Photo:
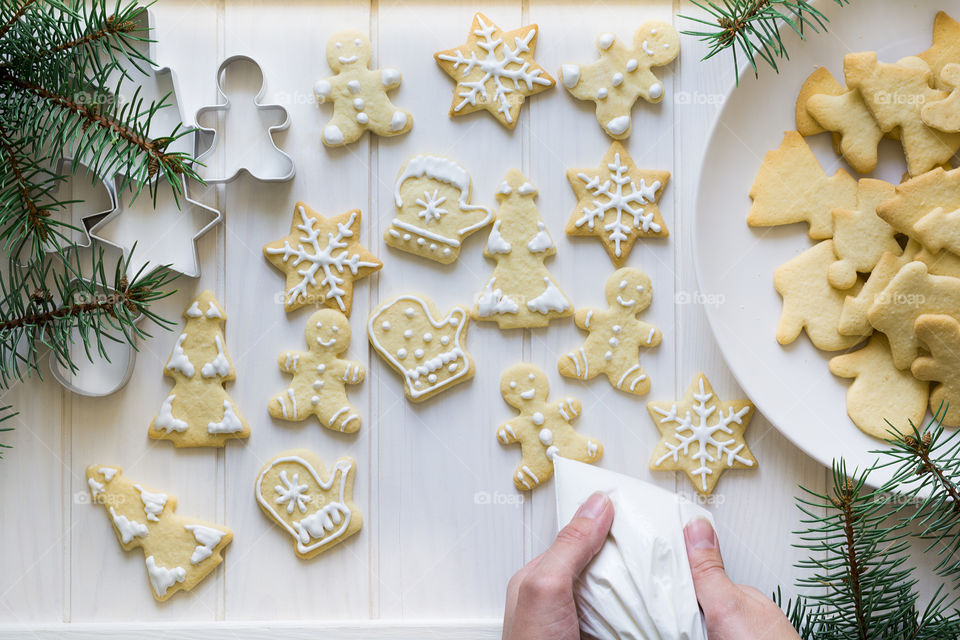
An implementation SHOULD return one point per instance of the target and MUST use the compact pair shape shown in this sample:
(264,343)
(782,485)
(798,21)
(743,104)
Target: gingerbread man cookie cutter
(283,169)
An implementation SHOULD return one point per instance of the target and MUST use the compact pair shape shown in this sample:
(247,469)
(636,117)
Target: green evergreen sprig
(6,413)
(752,28)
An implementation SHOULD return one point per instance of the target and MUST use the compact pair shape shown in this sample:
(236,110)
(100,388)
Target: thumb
(580,540)
(710,580)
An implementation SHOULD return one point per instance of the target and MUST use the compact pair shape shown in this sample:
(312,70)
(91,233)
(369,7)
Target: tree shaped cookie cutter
(284,171)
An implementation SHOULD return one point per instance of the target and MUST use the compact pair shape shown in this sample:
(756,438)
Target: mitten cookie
(810,302)
(427,349)
(792,187)
(623,74)
(322,257)
(320,377)
(617,203)
(358,94)
(701,436)
(198,412)
(543,430)
(941,335)
(882,398)
(616,335)
(315,507)
(179,551)
(860,237)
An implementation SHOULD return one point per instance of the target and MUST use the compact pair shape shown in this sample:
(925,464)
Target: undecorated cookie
(623,74)
(616,335)
(320,376)
(946,45)
(860,237)
(945,114)
(791,186)
(881,398)
(941,335)
(701,435)
(179,551)
(315,507)
(913,211)
(426,348)
(358,94)
(853,317)
(542,429)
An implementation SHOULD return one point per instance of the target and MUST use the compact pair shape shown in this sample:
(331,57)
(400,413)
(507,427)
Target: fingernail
(699,534)
(593,507)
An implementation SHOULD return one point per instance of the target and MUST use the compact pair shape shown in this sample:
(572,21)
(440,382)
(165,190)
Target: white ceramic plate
(790,385)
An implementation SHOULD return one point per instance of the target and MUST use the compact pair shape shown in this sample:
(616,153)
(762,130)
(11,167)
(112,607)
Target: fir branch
(753,28)
(6,413)
(8,24)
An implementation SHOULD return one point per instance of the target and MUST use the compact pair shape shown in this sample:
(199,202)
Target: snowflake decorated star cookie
(494,70)
(617,203)
(315,507)
(701,436)
(321,257)
(622,74)
(179,551)
(358,94)
(198,412)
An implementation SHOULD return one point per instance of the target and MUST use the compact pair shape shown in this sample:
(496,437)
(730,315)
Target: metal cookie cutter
(87,198)
(251,128)
(137,220)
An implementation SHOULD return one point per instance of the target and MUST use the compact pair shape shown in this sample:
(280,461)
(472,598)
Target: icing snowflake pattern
(430,203)
(292,493)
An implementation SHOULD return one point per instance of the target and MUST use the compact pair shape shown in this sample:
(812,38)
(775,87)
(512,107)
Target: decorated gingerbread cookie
(616,335)
(322,257)
(179,551)
(542,429)
(701,435)
(434,214)
(521,292)
(623,74)
(315,507)
(617,203)
(198,412)
(358,94)
(426,348)
(494,70)
(320,376)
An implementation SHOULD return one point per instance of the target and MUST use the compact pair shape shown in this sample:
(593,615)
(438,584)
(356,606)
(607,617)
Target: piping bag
(639,586)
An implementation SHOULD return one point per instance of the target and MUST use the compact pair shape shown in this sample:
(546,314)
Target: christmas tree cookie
(198,412)
(320,376)
(616,335)
(179,551)
(434,214)
(322,257)
(521,292)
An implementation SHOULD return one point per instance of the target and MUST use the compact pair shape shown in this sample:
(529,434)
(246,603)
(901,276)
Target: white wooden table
(444,528)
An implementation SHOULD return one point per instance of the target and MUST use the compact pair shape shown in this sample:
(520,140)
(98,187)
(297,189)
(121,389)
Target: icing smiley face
(524,385)
(629,289)
(348,50)
(327,329)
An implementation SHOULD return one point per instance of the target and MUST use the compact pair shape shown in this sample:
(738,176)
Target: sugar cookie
(860,237)
(853,316)
(941,335)
(946,45)
(945,114)
(913,210)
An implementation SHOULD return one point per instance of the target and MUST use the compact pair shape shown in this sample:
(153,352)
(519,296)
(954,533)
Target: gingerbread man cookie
(543,430)
(941,335)
(616,335)
(623,74)
(320,376)
(359,94)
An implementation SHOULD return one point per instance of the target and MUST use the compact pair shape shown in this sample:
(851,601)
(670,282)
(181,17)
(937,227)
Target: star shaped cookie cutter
(210,135)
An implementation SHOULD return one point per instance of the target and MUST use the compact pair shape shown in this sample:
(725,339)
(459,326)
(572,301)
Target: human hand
(540,596)
(731,611)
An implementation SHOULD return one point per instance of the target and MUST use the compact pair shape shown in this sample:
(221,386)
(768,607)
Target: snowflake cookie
(179,551)
(198,412)
(521,292)
(543,430)
(622,74)
(616,335)
(617,202)
(322,258)
(494,70)
(701,436)
(434,214)
(358,94)
(315,507)
(320,376)
(427,349)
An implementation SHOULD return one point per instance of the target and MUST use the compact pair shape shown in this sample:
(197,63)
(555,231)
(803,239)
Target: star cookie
(322,258)
(701,436)
(617,202)
(490,74)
